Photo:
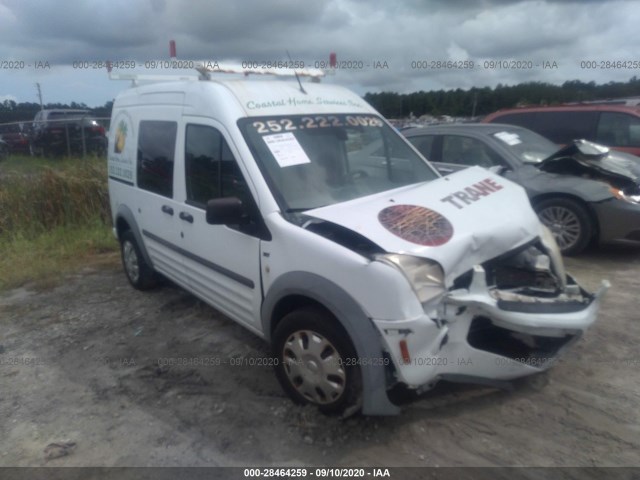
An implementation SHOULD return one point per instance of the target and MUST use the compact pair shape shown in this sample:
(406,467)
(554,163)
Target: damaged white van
(299,212)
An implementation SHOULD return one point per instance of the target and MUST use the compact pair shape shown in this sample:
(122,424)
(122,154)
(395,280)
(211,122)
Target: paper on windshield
(286,149)
(508,138)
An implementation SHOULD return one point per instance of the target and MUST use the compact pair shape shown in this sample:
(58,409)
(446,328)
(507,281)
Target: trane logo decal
(471,194)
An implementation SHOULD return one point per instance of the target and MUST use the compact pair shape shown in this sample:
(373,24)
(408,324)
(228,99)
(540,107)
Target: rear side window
(618,130)
(559,127)
(211,171)
(156,149)
(563,127)
(423,143)
(526,120)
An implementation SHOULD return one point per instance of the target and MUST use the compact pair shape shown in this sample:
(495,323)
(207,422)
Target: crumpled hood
(459,221)
(597,157)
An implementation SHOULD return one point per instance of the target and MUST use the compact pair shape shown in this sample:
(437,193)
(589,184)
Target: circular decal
(416,224)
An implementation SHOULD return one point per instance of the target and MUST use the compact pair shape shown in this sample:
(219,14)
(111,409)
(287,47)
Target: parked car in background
(616,126)
(582,192)
(62,132)
(16,140)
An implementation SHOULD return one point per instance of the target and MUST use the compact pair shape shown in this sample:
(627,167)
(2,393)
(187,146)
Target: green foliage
(54,217)
(44,259)
(73,194)
(487,100)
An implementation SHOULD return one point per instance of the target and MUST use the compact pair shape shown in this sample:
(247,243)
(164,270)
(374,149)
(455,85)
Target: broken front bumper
(484,334)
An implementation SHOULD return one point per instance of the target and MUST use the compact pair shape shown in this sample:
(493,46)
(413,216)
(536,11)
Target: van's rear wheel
(138,271)
(316,362)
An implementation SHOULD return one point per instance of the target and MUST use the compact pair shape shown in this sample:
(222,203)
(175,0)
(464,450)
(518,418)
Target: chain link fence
(56,133)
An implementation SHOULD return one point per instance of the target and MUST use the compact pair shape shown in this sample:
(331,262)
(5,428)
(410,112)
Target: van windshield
(312,161)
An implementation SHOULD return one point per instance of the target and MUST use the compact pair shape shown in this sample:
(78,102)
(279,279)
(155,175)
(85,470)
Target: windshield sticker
(416,224)
(472,193)
(286,149)
(508,138)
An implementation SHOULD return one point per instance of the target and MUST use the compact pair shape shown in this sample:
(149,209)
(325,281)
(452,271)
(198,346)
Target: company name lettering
(294,102)
(471,194)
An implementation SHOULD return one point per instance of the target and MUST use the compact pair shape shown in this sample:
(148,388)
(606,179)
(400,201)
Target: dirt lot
(86,363)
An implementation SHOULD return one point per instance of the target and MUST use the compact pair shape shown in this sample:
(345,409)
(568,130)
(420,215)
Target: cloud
(367,31)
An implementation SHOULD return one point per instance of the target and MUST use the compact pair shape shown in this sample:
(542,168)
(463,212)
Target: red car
(17,142)
(616,126)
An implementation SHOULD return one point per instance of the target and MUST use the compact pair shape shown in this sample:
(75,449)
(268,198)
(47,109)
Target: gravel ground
(83,367)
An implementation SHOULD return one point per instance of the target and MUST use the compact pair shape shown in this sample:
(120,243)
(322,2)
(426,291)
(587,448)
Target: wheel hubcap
(564,225)
(131,261)
(314,367)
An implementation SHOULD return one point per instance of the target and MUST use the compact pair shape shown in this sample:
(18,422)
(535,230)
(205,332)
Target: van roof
(252,97)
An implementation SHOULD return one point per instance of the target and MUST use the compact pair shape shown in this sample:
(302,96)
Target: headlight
(620,195)
(425,276)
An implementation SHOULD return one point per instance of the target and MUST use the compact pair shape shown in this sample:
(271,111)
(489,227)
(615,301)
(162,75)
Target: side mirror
(226,211)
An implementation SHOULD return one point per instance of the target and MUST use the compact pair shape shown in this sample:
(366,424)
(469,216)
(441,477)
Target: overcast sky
(560,34)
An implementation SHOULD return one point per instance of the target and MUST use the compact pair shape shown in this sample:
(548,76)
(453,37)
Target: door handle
(167,209)
(186,217)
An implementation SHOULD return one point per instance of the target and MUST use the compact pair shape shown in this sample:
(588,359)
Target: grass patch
(54,218)
(44,259)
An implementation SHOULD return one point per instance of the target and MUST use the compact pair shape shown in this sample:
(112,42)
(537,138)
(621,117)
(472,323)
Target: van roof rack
(206,68)
(214,67)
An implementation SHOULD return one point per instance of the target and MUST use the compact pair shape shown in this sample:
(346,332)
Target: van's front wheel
(316,362)
(138,271)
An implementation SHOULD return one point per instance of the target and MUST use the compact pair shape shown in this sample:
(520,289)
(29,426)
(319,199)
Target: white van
(300,213)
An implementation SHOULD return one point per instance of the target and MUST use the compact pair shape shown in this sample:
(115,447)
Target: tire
(326,375)
(569,222)
(138,271)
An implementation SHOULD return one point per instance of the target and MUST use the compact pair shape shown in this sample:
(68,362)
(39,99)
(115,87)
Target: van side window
(211,171)
(202,163)
(156,149)
(618,130)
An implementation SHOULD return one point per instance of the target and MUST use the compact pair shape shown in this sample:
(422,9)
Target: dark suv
(62,132)
(616,126)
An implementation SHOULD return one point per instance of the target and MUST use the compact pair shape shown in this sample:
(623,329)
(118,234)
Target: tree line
(482,101)
(459,103)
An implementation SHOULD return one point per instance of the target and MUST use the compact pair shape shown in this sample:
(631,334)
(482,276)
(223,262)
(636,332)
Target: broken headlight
(425,276)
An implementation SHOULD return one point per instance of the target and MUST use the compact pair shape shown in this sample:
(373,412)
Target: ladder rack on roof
(207,68)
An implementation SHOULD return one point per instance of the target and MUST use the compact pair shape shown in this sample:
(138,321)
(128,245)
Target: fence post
(84,143)
(66,131)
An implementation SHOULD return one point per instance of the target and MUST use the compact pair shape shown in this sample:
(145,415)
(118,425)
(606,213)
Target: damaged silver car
(583,192)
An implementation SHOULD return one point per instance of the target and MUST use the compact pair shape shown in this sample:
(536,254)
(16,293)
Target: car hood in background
(582,155)
(459,221)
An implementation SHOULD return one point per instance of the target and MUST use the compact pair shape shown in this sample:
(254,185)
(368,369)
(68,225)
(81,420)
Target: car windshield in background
(526,145)
(312,161)
(11,128)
